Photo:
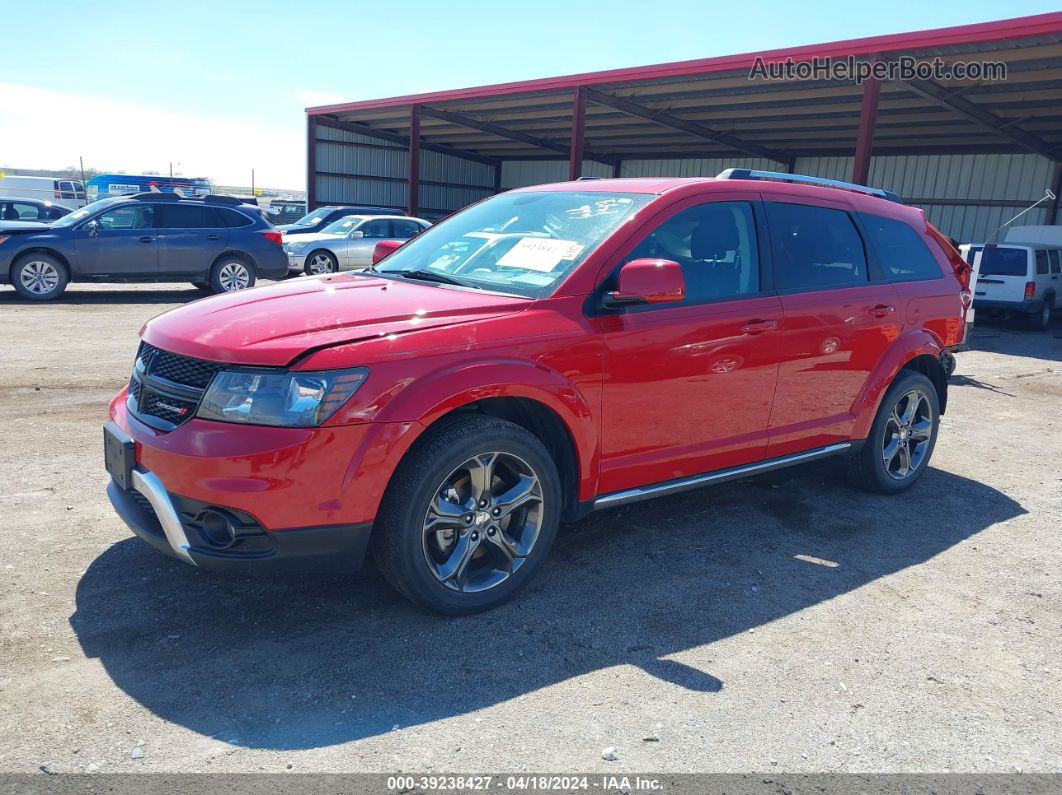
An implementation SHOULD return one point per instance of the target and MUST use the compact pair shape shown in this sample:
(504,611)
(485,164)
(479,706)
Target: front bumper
(1018,307)
(296,262)
(176,526)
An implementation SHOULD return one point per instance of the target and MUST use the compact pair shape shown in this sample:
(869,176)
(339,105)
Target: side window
(28,212)
(815,248)
(403,230)
(131,216)
(1041,262)
(715,243)
(188,216)
(232,219)
(1056,260)
(904,255)
(379,228)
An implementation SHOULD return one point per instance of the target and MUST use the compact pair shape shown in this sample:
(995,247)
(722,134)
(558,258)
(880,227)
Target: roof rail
(154,196)
(779,176)
(222,198)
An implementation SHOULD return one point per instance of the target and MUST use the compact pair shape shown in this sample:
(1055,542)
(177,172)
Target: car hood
(295,229)
(313,237)
(274,325)
(25,227)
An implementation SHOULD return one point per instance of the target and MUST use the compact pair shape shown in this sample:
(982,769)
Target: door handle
(213,237)
(882,310)
(759,326)
(145,238)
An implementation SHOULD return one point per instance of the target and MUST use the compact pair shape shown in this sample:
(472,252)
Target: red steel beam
(868,118)
(413,202)
(575,157)
(311,163)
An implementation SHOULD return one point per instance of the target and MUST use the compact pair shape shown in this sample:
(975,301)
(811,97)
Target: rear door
(191,236)
(120,242)
(839,318)
(1004,272)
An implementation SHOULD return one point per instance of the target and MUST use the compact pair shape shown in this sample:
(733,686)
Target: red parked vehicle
(544,353)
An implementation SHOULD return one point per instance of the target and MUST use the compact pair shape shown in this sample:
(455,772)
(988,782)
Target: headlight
(294,400)
(295,248)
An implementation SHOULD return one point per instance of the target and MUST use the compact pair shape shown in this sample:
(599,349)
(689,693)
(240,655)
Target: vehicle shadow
(1010,337)
(311,661)
(119,296)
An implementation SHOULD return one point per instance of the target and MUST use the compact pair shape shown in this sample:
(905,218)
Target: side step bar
(721,476)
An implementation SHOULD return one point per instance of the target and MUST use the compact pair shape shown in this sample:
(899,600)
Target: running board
(696,481)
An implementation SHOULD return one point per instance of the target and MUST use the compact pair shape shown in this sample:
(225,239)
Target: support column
(575,157)
(311,163)
(413,176)
(868,117)
(1051,216)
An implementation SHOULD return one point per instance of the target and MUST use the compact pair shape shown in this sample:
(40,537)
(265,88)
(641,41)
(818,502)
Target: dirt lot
(686,633)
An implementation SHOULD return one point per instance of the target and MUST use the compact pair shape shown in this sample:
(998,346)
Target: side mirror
(357,233)
(648,281)
(383,248)
(93,228)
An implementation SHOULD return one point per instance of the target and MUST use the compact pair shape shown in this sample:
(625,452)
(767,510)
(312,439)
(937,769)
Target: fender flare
(917,342)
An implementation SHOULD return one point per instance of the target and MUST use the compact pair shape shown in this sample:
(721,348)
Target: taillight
(273,236)
(1030,290)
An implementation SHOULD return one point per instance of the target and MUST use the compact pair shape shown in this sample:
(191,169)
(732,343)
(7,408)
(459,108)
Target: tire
(872,466)
(1042,318)
(231,273)
(440,558)
(948,362)
(319,262)
(39,277)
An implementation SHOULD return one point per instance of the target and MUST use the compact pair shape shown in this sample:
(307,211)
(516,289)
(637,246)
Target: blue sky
(219,87)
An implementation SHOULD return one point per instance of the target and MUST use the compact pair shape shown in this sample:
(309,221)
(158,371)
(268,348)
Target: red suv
(544,353)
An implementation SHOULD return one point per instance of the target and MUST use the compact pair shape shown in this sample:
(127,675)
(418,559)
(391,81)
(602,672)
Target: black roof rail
(154,196)
(221,198)
(803,179)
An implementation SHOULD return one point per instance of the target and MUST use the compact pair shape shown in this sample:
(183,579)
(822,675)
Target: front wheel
(469,516)
(901,441)
(230,274)
(1042,319)
(39,277)
(320,262)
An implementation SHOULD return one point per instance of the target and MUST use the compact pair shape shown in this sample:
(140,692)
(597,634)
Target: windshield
(314,218)
(521,243)
(342,226)
(1004,261)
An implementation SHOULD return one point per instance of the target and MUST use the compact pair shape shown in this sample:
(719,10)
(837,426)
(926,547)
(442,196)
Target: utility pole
(171,169)
(252,182)
(81,161)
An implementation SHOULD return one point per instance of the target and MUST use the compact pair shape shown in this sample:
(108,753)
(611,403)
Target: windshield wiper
(433,276)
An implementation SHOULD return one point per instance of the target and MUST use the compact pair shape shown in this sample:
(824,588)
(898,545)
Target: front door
(688,387)
(358,251)
(120,242)
(191,237)
(839,321)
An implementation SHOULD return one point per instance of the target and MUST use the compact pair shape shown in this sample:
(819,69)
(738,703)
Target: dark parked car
(215,242)
(318,219)
(286,211)
(31,210)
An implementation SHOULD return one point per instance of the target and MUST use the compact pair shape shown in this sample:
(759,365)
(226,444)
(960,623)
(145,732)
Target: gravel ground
(785,623)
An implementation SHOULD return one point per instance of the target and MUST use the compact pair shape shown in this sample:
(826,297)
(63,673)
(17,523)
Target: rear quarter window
(233,219)
(1041,263)
(903,253)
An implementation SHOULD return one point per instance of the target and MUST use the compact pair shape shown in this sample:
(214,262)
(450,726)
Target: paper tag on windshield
(540,253)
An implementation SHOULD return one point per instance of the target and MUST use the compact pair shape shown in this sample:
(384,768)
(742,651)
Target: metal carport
(970,151)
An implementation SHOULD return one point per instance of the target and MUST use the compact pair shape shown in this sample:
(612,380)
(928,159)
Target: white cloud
(40,128)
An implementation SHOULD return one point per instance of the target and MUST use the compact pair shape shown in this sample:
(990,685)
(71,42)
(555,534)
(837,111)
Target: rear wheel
(470,515)
(230,274)
(39,277)
(902,438)
(321,262)
(1042,319)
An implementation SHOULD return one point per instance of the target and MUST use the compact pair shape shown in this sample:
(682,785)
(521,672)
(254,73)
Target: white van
(1017,278)
(67,192)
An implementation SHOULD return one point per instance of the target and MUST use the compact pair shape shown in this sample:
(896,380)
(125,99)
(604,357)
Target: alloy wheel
(233,276)
(908,431)
(39,277)
(483,522)
(320,263)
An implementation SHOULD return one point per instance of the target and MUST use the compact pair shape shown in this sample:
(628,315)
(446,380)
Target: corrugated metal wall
(357,169)
(965,195)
